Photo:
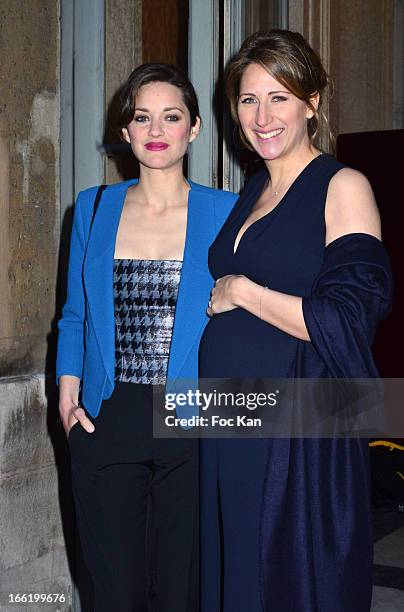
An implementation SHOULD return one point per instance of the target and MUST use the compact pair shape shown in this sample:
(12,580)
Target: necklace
(285,188)
(279,190)
(276,193)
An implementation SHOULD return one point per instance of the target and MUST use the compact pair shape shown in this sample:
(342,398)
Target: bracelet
(260,302)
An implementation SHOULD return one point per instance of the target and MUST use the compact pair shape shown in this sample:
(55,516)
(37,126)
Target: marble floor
(388,590)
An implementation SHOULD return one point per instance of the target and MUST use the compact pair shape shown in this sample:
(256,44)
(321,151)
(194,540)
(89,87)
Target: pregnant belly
(238,344)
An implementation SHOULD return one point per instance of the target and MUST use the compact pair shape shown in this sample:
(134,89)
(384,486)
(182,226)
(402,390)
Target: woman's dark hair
(152,73)
(289,59)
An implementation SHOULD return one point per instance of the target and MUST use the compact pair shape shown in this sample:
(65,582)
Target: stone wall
(32,540)
(355,42)
(33,555)
(361,64)
(29,147)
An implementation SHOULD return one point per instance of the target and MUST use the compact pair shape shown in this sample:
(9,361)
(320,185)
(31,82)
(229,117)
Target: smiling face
(273,120)
(160,130)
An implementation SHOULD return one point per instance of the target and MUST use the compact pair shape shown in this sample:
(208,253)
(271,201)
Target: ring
(210,304)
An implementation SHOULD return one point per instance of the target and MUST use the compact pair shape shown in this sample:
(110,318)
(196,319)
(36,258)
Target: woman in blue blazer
(138,287)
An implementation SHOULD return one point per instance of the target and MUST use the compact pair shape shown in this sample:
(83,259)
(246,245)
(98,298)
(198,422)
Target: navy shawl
(316,544)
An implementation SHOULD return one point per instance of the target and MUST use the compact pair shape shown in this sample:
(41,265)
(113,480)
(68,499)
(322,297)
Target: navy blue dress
(283,250)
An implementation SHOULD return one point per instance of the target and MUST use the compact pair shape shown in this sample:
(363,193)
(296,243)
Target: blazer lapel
(98,271)
(195,284)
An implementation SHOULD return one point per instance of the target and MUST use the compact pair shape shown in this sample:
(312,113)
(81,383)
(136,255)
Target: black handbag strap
(96,205)
(95,208)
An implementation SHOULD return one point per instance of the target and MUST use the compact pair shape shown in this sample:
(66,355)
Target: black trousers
(136,507)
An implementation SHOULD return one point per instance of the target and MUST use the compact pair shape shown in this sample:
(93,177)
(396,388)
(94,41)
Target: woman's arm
(280,309)
(70,350)
(350,208)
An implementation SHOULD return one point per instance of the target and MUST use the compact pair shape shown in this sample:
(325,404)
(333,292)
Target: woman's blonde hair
(289,59)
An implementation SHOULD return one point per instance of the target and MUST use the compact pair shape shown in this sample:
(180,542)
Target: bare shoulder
(349,182)
(351,206)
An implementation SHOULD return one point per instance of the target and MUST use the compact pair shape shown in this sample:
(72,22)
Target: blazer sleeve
(70,348)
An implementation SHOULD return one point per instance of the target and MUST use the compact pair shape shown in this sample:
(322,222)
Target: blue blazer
(86,344)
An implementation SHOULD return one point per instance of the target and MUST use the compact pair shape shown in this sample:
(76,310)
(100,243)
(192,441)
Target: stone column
(32,547)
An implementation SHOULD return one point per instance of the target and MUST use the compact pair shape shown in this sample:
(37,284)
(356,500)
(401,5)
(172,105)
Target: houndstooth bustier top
(145,297)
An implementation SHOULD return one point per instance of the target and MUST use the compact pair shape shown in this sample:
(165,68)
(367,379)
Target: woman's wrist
(240,288)
(69,387)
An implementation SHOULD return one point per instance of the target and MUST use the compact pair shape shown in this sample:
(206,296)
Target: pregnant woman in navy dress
(285,523)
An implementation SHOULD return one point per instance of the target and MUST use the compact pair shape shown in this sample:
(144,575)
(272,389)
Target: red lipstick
(156,146)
